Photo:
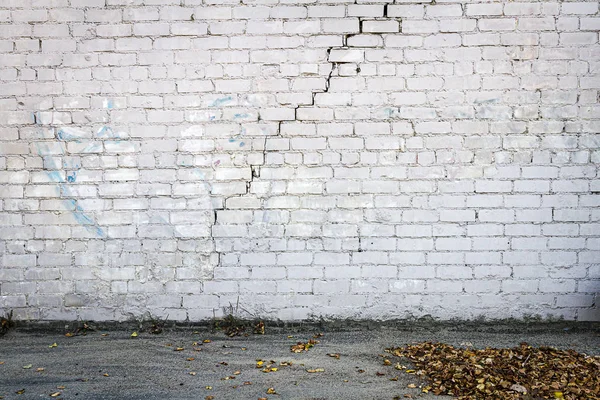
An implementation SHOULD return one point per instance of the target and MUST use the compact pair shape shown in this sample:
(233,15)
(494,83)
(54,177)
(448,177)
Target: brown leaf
(334,355)
(312,371)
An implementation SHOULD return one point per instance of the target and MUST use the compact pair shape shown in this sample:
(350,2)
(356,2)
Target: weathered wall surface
(299,158)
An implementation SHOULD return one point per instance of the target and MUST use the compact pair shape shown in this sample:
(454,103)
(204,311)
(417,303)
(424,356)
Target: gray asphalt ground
(117,366)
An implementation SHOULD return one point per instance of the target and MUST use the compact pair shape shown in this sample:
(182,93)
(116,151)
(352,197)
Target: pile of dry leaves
(520,373)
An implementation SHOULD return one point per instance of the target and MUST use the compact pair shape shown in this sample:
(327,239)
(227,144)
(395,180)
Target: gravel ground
(110,364)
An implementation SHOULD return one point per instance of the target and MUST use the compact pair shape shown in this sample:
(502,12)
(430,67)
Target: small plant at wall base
(232,325)
(6,323)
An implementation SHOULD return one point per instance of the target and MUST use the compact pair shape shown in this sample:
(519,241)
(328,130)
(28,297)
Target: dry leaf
(39,369)
(105,374)
(20,391)
(208,388)
(190,359)
(179,349)
(134,334)
(411,385)
(522,372)
(28,366)
(271,391)
(69,334)
(206,341)
(192,373)
(312,371)
(56,394)
(334,355)
(61,387)
(53,345)
(209,397)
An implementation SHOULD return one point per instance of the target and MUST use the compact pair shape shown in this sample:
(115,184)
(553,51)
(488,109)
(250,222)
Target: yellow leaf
(179,349)
(312,371)
(55,394)
(208,388)
(410,371)
(28,366)
(411,385)
(69,334)
(134,334)
(271,391)
(206,341)
(61,387)
(53,345)
(20,391)
(558,395)
(105,374)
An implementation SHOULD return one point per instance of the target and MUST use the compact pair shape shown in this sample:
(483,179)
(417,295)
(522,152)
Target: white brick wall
(323,158)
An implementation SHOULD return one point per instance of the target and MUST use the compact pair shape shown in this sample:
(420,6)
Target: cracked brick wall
(302,159)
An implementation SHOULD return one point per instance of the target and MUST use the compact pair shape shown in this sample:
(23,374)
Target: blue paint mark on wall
(63,134)
(71,176)
(63,188)
(221,102)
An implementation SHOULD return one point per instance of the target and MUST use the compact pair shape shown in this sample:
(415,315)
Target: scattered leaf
(206,341)
(134,334)
(61,387)
(20,391)
(334,355)
(380,373)
(312,371)
(2,362)
(411,385)
(303,346)
(190,359)
(56,394)
(192,373)
(259,328)
(104,334)
(105,374)
(237,372)
(69,334)
(247,383)
(209,397)
(179,349)
(39,369)
(28,366)
(208,388)
(271,391)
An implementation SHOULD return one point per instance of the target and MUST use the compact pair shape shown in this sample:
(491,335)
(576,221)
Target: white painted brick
(433,161)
